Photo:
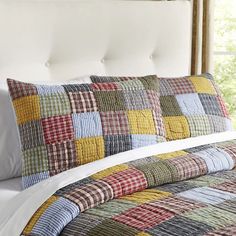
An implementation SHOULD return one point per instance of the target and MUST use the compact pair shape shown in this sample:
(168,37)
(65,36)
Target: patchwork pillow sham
(64,126)
(191,106)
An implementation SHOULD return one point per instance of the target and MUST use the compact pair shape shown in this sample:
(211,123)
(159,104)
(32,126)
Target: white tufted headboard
(63,39)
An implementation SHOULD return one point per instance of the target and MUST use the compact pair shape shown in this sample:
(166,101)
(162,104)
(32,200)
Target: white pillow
(10,159)
(10,153)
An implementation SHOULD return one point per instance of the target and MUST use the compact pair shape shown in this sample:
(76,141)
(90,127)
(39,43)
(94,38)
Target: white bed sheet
(9,189)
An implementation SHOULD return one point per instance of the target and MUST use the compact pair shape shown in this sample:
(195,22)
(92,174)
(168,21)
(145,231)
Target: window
(225,52)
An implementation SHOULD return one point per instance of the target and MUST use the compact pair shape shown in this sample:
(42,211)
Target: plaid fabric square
(82,225)
(216,160)
(222,106)
(176,127)
(165,88)
(159,124)
(176,204)
(110,227)
(202,195)
(91,195)
(136,100)
(18,89)
(49,89)
(150,82)
(141,122)
(181,85)
(35,160)
(54,104)
(74,88)
(27,109)
(105,86)
(31,134)
(139,140)
(89,149)
(210,104)
(154,101)
(189,166)
(57,129)
(61,157)
(82,102)
(231,150)
(224,231)
(33,179)
(117,143)
(229,187)
(158,172)
(110,100)
(180,225)
(199,125)
(170,106)
(217,123)
(144,217)
(202,85)
(126,182)
(131,84)
(114,122)
(87,124)
(190,104)
(105,79)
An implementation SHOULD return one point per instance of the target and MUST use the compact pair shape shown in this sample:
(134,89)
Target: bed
(60,41)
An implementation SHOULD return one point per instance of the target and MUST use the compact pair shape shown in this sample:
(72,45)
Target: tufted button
(47,64)
(151,57)
(102,60)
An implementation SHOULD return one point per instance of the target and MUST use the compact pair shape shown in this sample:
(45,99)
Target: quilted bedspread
(188,192)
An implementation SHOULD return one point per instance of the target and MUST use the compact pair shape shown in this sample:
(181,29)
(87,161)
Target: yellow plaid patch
(89,149)
(202,85)
(27,109)
(146,196)
(143,234)
(141,122)
(172,155)
(177,127)
(38,214)
(109,171)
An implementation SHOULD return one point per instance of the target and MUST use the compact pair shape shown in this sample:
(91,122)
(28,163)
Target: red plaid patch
(231,150)
(189,166)
(114,122)
(82,102)
(225,231)
(181,85)
(158,121)
(126,182)
(144,216)
(90,195)
(223,106)
(104,86)
(57,129)
(61,157)
(154,100)
(176,205)
(227,187)
(19,89)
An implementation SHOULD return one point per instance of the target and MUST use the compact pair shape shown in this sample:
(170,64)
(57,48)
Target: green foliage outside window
(225,52)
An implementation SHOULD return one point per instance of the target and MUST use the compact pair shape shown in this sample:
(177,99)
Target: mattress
(9,189)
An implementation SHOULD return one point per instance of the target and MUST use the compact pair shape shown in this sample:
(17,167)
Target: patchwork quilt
(187,192)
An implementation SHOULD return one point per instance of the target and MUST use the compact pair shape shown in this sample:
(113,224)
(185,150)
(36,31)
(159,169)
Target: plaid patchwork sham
(64,126)
(130,199)
(191,105)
